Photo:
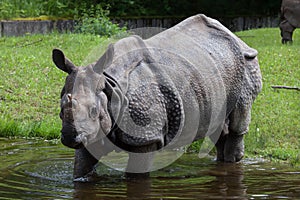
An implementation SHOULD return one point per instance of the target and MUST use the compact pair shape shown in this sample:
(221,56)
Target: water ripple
(43,170)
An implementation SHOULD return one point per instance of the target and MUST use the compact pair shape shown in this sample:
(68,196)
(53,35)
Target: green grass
(30,89)
(275,128)
(30,83)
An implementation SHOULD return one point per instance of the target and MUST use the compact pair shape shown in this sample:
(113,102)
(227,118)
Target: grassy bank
(275,127)
(30,83)
(30,89)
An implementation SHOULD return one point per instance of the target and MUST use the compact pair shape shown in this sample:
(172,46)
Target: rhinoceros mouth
(81,138)
(85,139)
(71,142)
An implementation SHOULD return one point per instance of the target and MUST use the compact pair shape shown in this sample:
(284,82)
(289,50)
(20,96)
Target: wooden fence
(19,28)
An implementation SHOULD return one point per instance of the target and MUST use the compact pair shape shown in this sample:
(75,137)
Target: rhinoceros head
(84,112)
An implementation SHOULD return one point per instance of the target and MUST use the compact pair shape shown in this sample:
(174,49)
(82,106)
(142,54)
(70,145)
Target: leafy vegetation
(217,8)
(35,8)
(129,8)
(96,21)
(30,88)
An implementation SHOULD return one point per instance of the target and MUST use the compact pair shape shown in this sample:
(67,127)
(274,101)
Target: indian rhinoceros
(193,80)
(290,19)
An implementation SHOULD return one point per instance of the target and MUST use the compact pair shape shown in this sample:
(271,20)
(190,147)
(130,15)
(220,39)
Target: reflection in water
(229,180)
(32,169)
(138,189)
(133,189)
(191,178)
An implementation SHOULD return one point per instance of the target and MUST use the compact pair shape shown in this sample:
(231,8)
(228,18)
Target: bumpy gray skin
(171,85)
(289,19)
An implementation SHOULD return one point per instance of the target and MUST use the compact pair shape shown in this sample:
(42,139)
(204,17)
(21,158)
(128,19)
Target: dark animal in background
(175,87)
(289,19)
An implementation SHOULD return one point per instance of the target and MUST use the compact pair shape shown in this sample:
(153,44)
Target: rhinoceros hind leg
(230,145)
(230,148)
(239,121)
(220,148)
(234,148)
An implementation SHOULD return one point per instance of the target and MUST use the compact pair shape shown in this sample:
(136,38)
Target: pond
(35,169)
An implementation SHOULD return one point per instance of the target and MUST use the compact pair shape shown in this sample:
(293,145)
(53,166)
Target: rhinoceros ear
(62,62)
(105,60)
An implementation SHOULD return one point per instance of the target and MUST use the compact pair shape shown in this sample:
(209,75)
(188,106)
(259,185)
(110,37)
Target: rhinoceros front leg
(286,32)
(140,161)
(85,161)
(139,165)
(84,166)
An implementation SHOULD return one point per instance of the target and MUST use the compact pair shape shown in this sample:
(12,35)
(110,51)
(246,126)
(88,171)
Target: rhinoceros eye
(93,112)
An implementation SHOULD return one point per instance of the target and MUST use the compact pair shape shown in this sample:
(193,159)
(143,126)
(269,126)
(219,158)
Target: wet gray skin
(191,81)
(289,19)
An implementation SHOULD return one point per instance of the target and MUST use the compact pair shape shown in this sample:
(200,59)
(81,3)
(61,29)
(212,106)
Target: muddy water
(34,169)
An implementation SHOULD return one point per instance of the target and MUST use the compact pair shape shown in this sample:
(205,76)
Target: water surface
(35,169)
